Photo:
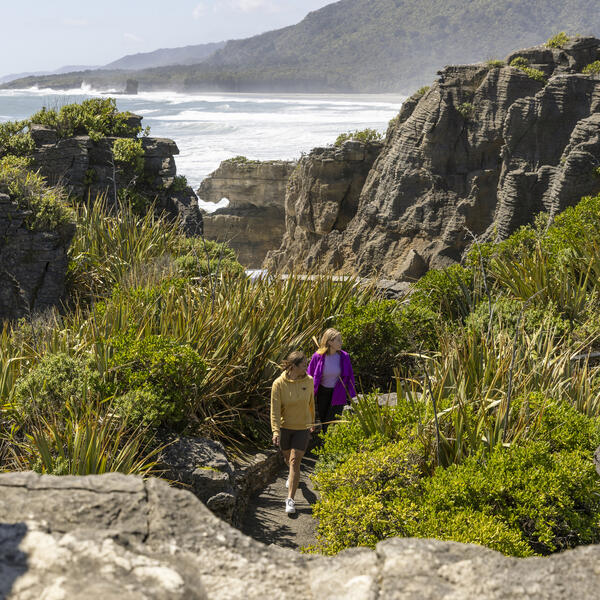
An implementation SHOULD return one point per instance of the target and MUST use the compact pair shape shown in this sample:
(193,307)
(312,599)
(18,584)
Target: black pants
(326,411)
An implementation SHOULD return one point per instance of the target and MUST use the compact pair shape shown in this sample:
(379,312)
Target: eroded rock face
(254,221)
(85,166)
(33,264)
(481,152)
(322,198)
(116,537)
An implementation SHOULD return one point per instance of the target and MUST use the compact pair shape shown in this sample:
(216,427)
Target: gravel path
(266,519)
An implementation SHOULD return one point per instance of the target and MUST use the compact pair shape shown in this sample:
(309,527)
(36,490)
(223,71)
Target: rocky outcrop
(321,200)
(116,537)
(202,466)
(254,221)
(481,152)
(86,167)
(33,264)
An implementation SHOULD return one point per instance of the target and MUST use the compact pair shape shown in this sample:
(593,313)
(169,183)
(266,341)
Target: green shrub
(96,117)
(466,109)
(495,64)
(519,500)
(15,139)
(506,312)
(155,377)
(448,292)
(592,69)
(377,333)
(47,206)
(422,90)
(196,257)
(50,385)
(129,154)
(241,161)
(523,65)
(366,136)
(180,184)
(558,41)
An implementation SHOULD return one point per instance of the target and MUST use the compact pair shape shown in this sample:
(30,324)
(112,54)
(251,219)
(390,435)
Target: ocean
(210,128)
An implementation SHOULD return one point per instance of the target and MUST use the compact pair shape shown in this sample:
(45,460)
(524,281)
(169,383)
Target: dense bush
(155,379)
(448,292)
(558,41)
(129,154)
(531,499)
(592,69)
(96,117)
(15,139)
(365,136)
(58,379)
(46,206)
(379,334)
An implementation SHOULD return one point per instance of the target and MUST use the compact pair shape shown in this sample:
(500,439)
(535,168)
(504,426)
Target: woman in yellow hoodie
(293,417)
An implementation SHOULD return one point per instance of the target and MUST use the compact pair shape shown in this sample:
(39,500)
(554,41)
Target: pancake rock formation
(482,151)
(254,221)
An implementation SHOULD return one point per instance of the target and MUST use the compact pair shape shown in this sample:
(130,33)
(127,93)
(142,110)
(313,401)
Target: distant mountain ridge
(187,55)
(362,46)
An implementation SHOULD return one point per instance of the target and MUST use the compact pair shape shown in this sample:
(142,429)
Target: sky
(47,35)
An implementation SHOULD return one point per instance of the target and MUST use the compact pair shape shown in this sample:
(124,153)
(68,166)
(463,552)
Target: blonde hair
(329,335)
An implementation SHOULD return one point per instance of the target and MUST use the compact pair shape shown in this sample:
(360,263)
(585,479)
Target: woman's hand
(275,439)
(311,429)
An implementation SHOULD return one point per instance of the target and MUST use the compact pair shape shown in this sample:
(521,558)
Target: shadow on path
(266,519)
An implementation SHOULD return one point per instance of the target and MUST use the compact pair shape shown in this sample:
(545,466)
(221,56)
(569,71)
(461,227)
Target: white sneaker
(290,506)
(287,483)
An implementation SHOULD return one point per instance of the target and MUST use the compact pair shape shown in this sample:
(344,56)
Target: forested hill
(365,46)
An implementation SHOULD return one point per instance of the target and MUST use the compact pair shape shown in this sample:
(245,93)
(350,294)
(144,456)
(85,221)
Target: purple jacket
(344,383)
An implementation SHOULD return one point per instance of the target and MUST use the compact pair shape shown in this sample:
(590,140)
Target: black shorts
(294,438)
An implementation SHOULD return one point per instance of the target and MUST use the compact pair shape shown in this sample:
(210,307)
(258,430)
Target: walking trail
(266,519)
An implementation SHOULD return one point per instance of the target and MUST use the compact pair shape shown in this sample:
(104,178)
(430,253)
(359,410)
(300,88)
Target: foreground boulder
(113,536)
(254,221)
(484,150)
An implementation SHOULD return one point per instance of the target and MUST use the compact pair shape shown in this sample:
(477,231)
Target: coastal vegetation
(496,420)
(365,136)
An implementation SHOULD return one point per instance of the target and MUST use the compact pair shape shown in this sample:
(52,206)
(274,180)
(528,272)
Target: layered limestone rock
(33,264)
(480,153)
(322,198)
(86,167)
(115,537)
(254,221)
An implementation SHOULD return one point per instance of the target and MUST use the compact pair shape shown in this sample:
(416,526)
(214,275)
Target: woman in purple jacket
(331,369)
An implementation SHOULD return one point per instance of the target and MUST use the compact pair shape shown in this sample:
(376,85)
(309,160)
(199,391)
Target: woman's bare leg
(286,456)
(294,462)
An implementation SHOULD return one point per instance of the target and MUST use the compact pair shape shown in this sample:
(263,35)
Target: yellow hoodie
(292,403)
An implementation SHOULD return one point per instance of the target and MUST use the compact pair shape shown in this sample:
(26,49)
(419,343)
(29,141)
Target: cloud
(199,11)
(132,37)
(75,22)
(252,5)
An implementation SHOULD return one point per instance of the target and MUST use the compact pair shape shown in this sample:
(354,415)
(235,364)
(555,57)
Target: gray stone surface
(321,200)
(113,536)
(482,151)
(86,167)
(33,264)
(202,466)
(254,221)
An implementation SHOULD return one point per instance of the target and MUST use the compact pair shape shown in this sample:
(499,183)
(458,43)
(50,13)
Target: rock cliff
(85,166)
(254,221)
(33,264)
(321,200)
(483,150)
(115,537)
